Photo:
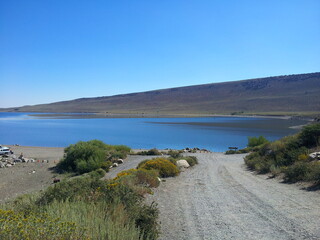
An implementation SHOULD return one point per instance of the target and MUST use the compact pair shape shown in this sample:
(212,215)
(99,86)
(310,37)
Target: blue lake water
(213,133)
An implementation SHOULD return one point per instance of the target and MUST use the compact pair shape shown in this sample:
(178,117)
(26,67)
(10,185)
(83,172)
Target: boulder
(182,164)
(314,155)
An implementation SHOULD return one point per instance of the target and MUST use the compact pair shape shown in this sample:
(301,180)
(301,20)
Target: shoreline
(164,115)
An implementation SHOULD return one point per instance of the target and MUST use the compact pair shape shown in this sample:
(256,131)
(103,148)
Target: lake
(212,133)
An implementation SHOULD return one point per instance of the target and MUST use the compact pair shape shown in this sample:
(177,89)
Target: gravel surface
(220,199)
(29,177)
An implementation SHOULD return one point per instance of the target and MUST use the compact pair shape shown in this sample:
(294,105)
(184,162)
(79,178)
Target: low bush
(310,135)
(103,209)
(151,152)
(17,225)
(84,157)
(256,141)
(229,152)
(133,177)
(99,173)
(174,153)
(289,156)
(240,151)
(162,165)
(296,172)
(192,160)
(314,174)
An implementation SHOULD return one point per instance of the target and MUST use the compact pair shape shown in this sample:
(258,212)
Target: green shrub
(151,152)
(142,163)
(148,178)
(84,157)
(310,135)
(192,160)
(15,225)
(297,172)
(99,173)
(289,156)
(229,152)
(173,160)
(106,165)
(174,153)
(72,189)
(275,171)
(240,151)
(164,166)
(314,173)
(256,141)
(146,220)
(244,150)
(252,159)
(114,152)
(86,188)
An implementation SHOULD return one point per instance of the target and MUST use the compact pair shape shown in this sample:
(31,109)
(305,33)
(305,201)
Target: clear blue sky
(53,50)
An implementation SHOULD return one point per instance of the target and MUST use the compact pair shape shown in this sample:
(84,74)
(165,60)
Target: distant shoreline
(128,115)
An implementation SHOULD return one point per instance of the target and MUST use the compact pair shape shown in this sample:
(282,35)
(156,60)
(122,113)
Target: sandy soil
(220,199)
(33,177)
(29,177)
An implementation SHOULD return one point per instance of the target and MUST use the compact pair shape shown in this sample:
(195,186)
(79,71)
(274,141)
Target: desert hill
(289,93)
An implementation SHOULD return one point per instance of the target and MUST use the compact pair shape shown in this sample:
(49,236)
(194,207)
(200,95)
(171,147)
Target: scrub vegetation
(84,206)
(84,157)
(253,145)
(290,156)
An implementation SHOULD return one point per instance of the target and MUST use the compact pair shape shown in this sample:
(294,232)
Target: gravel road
(220,199)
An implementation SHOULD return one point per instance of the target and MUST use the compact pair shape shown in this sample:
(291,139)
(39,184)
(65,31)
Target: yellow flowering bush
(15,225)
(162,165)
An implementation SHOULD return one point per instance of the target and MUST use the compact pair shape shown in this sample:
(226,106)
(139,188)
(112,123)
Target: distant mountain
(290,93)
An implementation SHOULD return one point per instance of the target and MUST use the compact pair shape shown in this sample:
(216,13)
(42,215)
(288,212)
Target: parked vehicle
(4,150)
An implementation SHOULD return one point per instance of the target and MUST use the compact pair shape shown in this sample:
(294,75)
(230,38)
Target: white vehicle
(4,150)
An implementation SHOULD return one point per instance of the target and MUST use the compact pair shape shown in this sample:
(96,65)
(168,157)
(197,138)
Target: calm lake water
(213,133)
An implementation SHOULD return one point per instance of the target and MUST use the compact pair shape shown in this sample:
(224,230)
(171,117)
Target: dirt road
(220,199)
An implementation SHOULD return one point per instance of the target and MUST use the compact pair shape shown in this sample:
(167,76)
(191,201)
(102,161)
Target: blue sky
(53,50)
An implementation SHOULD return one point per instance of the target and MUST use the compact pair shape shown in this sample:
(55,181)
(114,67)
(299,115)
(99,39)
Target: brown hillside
(291,93)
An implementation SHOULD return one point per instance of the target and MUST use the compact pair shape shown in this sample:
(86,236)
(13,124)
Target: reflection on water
(213,133)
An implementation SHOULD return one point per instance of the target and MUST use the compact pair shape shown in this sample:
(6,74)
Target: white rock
(314,155)
(182,164)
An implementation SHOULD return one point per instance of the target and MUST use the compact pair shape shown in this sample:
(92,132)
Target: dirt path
(219,199)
